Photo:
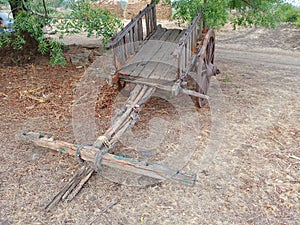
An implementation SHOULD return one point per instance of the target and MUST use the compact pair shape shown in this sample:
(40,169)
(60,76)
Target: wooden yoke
(89,153)
(128,41)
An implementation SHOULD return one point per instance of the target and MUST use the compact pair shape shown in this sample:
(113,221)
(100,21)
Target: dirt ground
(247,158)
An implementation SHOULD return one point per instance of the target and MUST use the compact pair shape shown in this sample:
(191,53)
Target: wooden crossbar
(89,153)
(169,86)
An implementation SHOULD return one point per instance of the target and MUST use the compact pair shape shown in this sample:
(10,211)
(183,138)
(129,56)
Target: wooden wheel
(205,67)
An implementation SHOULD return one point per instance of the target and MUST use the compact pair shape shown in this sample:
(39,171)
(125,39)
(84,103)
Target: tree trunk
(16,6)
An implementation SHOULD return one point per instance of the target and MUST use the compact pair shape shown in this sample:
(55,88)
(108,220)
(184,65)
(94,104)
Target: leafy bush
(94,21)
(185,10)
(290,13)
(31,20)
(238,12)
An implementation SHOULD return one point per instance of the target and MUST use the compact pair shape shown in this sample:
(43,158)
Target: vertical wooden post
(131,42)
(183,59)
(121,52)
(188,49)
(179,65)
(124,46)
(147,24)
(154,17)
(140,29)
(129,38)
(115,58)
(135,37)
(150,21)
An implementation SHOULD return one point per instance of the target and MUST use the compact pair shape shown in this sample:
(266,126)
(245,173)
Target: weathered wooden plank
(136,41)
(151,24)
(157,83)
(126,35)
(119,55)
(140,29)
(166,63)
(130,25)
(143,56)
(190,28)
(154,47)
(129,44)
(125,115)
(125,46)
(172,72)
(163,61)
(115,60)
(154,17)
(122,51)
(155,58)
(148,31)
(185,42)
(146,67)
(89,153)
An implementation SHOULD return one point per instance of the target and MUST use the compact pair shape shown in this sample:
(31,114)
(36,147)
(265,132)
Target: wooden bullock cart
(144,55)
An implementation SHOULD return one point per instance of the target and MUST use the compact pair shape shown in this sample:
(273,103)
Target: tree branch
(34,12)
(250,4)
(45,8)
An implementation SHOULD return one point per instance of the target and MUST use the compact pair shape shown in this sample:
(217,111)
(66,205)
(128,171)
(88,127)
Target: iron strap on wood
(89,153)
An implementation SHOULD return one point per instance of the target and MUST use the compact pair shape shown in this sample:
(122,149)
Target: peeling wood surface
(155,58)
(89,153)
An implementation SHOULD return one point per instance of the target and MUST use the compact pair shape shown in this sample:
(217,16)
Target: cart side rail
(127,42)
(187,46)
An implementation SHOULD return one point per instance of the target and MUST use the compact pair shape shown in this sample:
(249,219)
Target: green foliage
(56,55)
(27,23)
(94,21)
(255,12)
(185,10)
(238,12)
(216,13)
(226,79)
(290,13)
(81,18)
(5,40)
(3,3)
(31,23)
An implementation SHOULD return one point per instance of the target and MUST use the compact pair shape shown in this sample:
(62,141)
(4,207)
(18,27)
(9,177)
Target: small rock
(103,106)
(35,156)
(5,222)
(30,107)
(146,153)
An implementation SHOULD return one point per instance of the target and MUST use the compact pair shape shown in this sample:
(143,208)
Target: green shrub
(240,13)
(30,22)
(289,13)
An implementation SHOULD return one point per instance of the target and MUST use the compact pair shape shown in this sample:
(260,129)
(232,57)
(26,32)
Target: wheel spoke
(203,76)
